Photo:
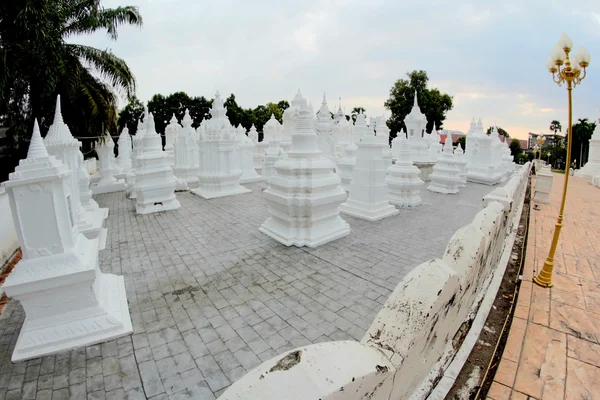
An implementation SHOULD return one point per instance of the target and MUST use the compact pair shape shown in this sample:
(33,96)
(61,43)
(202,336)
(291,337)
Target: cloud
(489,55)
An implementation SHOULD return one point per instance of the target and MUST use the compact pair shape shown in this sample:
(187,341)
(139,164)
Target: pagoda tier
(304,195)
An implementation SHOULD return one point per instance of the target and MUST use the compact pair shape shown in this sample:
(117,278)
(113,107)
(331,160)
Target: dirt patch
(485,353)
(287,362)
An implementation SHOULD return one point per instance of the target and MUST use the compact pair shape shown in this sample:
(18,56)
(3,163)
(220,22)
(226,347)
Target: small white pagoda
(61,144)
(324,128)
(342,134)
(68,302)
(435,147)
(246,149)
(155,184)
(445,176)
(461,160)
(124,163)
(259,146)
(304,195)
(289,121)
(220,171)
(346,164)
(368,194)
(89,205)
(484,164)
(383,136)
(105,148)
(187,157)
(171,132)
(137,141)
(403,179)
(415,123)
(507,158)
(361,129)
(272,136)
(592,168)
(339,114)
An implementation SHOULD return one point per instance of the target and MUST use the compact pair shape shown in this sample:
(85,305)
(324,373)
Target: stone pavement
(211,297)
(552,350)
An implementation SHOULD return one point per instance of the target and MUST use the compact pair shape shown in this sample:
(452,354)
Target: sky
(489,55)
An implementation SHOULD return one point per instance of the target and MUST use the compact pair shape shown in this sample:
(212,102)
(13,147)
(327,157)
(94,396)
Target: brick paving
(553,349)
(211,297)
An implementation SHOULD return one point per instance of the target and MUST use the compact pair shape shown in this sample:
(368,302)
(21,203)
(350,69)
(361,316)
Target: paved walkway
(211,297)
(552,350)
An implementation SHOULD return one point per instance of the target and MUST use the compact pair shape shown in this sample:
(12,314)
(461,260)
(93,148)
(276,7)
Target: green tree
(555,126)
(501,131)
(356,111)
(582,132)
(432,102)
(462,141)
(129,116)
(37,63)
(176,103)
(515,147)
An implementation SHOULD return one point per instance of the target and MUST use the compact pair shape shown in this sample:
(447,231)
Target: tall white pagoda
(445,176)
(346,164)
(383,136)
(304,195)
(220,171)
(68,302)
(105,148)
(246,156)
(155,184)
(484,164)
(137,141)
(415,123)
(289,121)
(403,179)
(124,163)
(461,162)
(324,128)
(368,194)
(186,153)
(272,136)
(171,132)
(259,146)
(342,134)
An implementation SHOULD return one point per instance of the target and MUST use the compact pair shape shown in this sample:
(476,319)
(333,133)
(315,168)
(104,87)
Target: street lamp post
(573,71)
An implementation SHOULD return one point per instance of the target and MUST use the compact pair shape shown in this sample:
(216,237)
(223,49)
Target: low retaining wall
(420,329)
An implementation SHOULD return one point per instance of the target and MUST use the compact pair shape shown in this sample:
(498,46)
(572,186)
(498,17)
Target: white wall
(8,236)
(418,331)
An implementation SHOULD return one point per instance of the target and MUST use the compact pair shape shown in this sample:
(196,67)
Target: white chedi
(172,130)
(592,168)
(259,146)
(485,166)
(507,159)
(105,148)
(415,123)
(342,136)
(246,156)
(155,184)
(220,171)
(361,129)
(461,163)
(289,121)
(68,301)
(435,147)
(444,178)
(273,132)
(403,179)
(304,195)
(324,128)
(383,136)
(368,192)
(137,142)
(186,153)
(346,164)
(124,163)
(88,204)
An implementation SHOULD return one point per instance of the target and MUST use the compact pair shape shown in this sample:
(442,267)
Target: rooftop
(211,297)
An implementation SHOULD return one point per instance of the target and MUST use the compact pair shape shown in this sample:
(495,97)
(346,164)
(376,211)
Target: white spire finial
(36,147)
(415,103)
(57,112)
(324,99)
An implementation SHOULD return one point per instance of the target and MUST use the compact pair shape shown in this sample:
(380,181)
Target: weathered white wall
(8,235)
(418,331)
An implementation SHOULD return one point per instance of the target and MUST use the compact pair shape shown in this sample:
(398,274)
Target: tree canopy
(555,126)
(582,133)
(501,131)
(37,63)
(432,102)
(515,147)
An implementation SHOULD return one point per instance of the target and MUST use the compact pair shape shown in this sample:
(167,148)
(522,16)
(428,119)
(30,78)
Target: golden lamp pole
(573,72)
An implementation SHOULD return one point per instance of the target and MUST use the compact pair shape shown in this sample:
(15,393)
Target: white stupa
(342,133)
(339,114)
(415,123)
(289,121)
(368,194)
(435,147)
(484,164)
(61,144)
(461,161)
(346,164)
(324,129)
(187,157)
(246,156)
(105,148)
(445,176)
(68,302)
(383,136)
(592,168)
(220,171)
(403,179)
(304,195)
(272,136)
(155,184)
(124,163)
(88,204)
(171,132)
(507,158)
(259,146)
(361,129)
(137,142)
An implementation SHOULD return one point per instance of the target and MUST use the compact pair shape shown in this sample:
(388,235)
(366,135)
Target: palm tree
(555,126)
(37,63)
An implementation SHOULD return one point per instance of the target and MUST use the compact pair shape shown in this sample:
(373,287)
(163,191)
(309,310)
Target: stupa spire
(57,111)
(36,147)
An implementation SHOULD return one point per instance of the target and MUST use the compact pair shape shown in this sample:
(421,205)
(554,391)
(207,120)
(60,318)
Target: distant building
(551,139)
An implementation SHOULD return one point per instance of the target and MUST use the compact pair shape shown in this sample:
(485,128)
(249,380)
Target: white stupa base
(305,237)
(91,224)
(589,171)
(81,327)
(120,175)
(108,187)
(596,181)
(477,176)
(212,193)
(442,188)
(181,185)
(426,169)
(250,177)
(158,206)
(405,202)
(354,209)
